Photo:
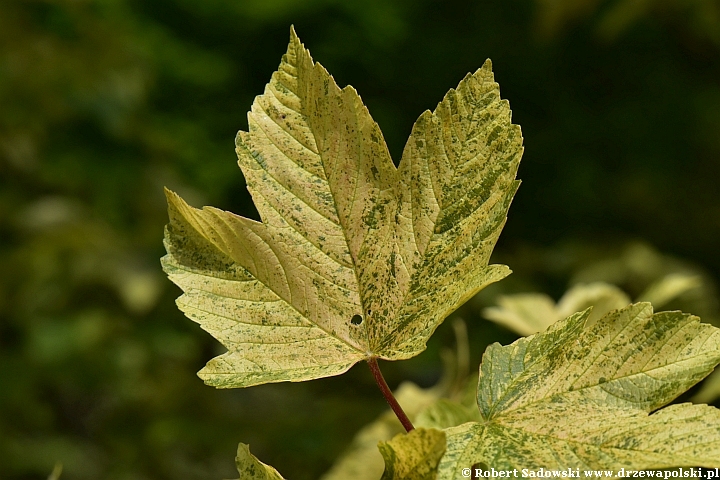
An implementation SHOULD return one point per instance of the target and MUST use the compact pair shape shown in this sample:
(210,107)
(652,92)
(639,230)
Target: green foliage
(617,17)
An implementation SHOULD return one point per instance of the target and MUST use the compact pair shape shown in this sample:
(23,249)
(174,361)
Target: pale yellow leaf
(669,287)
(528,313)
(524,313)
(603,297)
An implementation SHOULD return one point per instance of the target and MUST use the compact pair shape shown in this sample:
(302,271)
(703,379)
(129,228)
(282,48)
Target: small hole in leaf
(369,312)
(356,320)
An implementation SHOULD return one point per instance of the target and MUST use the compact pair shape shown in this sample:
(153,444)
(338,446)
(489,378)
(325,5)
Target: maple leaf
(579,396)
(354,258)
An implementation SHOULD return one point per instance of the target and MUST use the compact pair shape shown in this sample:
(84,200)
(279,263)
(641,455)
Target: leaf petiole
(387,393)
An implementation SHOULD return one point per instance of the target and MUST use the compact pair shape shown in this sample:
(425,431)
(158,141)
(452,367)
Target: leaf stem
(387,393)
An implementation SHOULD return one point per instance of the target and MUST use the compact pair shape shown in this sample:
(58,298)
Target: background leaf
(528,313)
(250,468)
(413,455)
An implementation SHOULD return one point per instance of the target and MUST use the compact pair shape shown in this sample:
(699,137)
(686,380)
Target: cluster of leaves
(575,396)
(105,101)
(356,259)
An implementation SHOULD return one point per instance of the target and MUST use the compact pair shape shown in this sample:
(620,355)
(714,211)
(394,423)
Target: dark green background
(104,102)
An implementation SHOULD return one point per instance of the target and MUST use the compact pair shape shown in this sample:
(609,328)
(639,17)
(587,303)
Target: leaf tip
(294,39)
(176,205)
(173,199)
(498,271)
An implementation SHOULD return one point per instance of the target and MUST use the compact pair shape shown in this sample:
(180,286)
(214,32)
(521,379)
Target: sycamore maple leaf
(579,396)
(354,258)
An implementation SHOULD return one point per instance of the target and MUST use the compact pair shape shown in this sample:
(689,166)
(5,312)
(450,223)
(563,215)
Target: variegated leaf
(580,395)
(354,258)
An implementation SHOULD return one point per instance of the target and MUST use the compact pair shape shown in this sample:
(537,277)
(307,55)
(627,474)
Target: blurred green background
(104,102)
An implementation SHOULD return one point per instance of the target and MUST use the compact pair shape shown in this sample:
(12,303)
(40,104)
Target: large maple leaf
(354,258)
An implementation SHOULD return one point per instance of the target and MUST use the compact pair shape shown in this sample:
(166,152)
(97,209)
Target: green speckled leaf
(580,394)
(250,468)
(354,258)
(414,455)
